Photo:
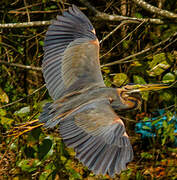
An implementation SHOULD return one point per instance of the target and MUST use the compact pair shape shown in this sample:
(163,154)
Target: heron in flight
(82,105)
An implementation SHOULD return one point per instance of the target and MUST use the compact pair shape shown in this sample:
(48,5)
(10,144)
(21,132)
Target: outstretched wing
(71,55)
(98,136)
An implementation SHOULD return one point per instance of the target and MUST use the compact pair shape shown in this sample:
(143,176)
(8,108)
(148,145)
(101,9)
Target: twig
(25,24)
(155,10)
(4,155)
(98,16)
(103,16)
(27,11)
(124,60)
(21,66)
(32,12)
(21,99)
(29,6)
(113,31)
(122,40)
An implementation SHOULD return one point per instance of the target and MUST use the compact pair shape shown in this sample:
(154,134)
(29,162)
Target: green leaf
(126,44)
(146,155)
(120,79)
(146,128)
(155,121)
(29,151)
(168,78)
(158,65)
(158,58)
(50,166)
(41,43)
(44,175)
(28,165)
(6,121)
(165,125)
(23,111)
(166,95)
(3,97)
(74,174)
(138,15)
(44,148)
(107,81)
(2,112)
(106,70)
(139,80)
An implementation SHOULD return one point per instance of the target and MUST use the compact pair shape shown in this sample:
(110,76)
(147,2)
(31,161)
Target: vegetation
(138,51)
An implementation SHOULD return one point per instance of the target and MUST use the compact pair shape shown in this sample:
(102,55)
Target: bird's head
(130,95)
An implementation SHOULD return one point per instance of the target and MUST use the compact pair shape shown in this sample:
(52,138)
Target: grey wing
(71,54)
(98,136)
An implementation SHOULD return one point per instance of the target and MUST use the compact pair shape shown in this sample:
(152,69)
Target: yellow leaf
(3,97)
(5,120)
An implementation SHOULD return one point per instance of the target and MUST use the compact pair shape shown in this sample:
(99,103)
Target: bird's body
(75,100)
(82,105)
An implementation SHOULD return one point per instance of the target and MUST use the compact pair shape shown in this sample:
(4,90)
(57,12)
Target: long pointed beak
(149,87)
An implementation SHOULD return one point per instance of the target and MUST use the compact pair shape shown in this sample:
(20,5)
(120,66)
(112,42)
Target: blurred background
(137,45)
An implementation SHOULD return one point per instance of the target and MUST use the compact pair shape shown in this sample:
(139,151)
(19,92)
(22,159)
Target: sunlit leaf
(146,128)
(106,70)
(146,155)
(139,80)
(6,121)
(120,79)
(74,174)
(166,95)
(158,58)
(168,78)
(3,97)
(138,15)
(28,164)
(126,44)
(107,81)
(155,121)
(41,43)
(44,175)
(3,112)
(158,65)
(23,111)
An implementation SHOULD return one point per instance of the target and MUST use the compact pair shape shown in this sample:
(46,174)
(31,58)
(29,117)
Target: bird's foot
(23,128)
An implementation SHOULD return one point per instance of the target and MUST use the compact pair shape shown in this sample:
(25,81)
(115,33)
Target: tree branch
(103,16)
(21,66)
(25,24)
(98,15)
(124,60)
(155,10)
(21,99)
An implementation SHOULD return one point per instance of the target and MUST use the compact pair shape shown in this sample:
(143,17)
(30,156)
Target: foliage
(41,154)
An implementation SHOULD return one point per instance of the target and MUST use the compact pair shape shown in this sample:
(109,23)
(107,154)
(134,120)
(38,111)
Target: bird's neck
(128,102)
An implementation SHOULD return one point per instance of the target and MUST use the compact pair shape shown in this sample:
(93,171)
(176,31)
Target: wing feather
(98,136)
(64,69)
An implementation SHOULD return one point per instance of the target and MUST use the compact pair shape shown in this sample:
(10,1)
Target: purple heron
(82,105)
